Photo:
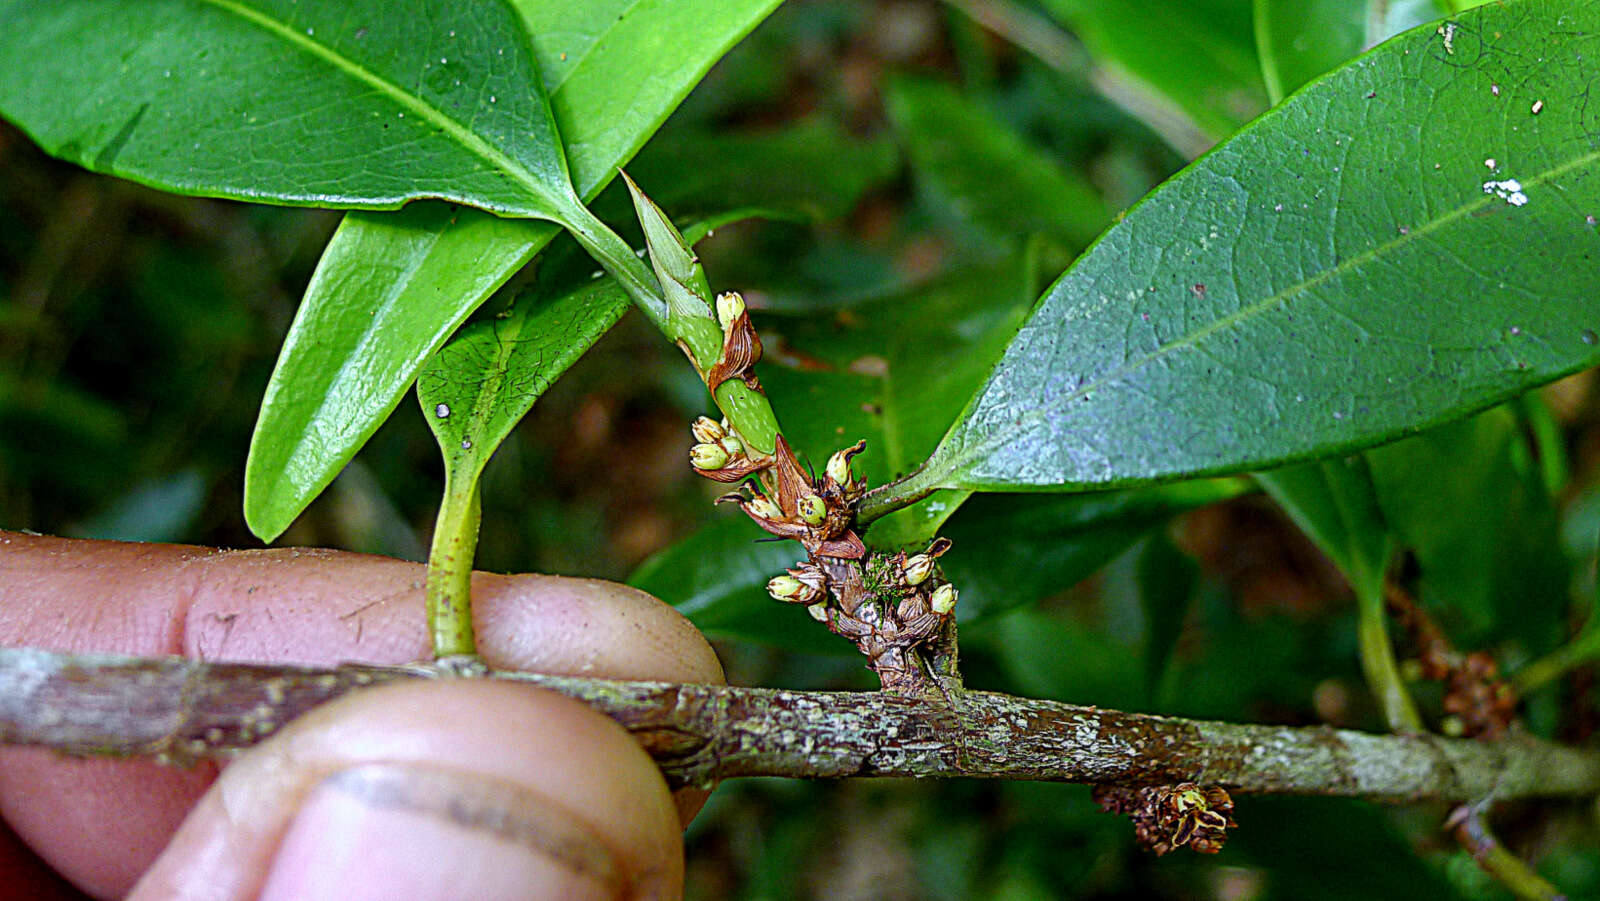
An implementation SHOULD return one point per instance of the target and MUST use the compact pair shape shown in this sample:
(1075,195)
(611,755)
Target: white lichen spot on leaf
(1509,190)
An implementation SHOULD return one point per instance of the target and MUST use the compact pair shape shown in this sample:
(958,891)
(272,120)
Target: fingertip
(548,786)
(587,627)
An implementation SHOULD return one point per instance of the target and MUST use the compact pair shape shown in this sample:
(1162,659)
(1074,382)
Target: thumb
(451,789)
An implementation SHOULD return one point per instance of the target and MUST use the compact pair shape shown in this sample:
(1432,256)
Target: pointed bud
(819,612)
(812,509)
(763,507)
(708,456)
(730,307)
(944,599)
(732,445)
(706,430)
(839,467)
(787,589)
(918,569)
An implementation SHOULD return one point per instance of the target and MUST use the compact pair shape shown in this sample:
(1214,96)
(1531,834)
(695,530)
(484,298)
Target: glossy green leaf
(392,287)
(479,386)
(1298,40)
(986,175)
(1348,269)
(889,370)
(1469,503)
(364,103)
(1195,56)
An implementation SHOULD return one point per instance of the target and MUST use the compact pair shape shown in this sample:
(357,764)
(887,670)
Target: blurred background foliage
(909,167)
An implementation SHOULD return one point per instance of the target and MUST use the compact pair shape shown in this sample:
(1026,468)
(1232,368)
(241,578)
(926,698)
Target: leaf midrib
(463,135)
(973,452)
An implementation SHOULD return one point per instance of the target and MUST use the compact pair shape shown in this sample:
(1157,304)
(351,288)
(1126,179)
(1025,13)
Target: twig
(1468,825)
(182,710)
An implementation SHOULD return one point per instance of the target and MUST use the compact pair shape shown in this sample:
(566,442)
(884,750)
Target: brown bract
(740,351)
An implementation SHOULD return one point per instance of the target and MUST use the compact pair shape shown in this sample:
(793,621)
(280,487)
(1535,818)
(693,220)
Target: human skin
(562,775)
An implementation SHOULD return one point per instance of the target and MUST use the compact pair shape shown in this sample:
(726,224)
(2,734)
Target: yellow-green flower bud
(819,612)
(708,456)
(706,430)
(812,509)
(944,599)
(918,569)
(732,445)
(787,588)
(839,467)
(764,507)
(730,306)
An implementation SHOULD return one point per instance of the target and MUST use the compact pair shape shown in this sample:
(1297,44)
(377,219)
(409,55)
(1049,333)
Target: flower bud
(763,507)
(918,569)
(787,589)
(819,612)
(812,509)
(708,456)
(839,467)
(944,599)
(706,430)
(730,306)
(732,445)
(811,576)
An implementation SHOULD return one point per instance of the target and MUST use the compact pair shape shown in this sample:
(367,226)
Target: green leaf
(392,287)
(985,174)
(1333,502)
(1468,501)
(1196,56)
(1011,550)
(1167,581)
(1299,40)
(1343,272)
(480,385)
(718,576)
(889,370)
(365,103)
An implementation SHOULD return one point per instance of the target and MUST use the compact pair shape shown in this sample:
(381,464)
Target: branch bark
(180,711)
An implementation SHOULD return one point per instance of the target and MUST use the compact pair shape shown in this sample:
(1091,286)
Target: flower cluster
(1168,817)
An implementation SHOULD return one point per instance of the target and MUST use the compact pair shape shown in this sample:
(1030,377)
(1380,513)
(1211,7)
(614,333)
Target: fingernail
(386,830)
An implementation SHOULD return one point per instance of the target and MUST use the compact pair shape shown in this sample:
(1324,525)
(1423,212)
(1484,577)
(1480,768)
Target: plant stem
(1473,833)
(1583,649)
(694,330)
(899,494)
(1377,661)
(449,585)
(1266,52)
(184,710)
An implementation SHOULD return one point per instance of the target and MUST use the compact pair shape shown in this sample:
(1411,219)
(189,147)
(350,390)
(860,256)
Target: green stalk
(899,494)
(449,585)
(1377,660)
(1267,53)
(1581,650)
(689,324)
